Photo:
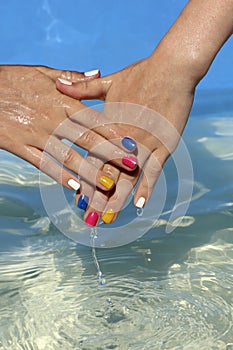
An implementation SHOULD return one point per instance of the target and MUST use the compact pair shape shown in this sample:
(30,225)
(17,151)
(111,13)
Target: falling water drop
(139,211)
(109,301)
(94,236)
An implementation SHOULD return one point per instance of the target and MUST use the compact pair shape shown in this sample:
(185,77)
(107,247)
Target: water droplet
(102,282)
(139,211)
(93,236)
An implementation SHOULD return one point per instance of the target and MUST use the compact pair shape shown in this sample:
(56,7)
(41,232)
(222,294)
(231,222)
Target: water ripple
(192,306)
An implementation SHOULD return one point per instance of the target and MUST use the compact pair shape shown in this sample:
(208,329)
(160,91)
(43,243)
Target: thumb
(73,76)
(84,90)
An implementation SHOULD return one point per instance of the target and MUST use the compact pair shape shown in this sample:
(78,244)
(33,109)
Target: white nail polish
(65,82)
(74,184)
(140,203)
(91,73)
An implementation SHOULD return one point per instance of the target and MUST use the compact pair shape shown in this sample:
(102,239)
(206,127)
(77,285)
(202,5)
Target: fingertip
(63,85)
(92,219)
(108,216)
(139,201)
(106,182)
(73,184)
(92,74)
(82,202)
(130,162)
(129,144)
(64,81)
(69,88)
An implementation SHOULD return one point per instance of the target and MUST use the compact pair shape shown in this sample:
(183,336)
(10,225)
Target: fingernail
(130,162)
(128,143)
(91,73)
(108,216)
(65,82)
(83,202)
(92,219)
(74,184)
(106,182)
(140,203)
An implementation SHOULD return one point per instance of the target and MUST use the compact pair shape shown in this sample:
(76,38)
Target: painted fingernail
(74,184)
(83,202)
(65,82)
(92,219)
(108,216)
(128,143)
(130,162)
(106,182)
(91,73)
(140,203)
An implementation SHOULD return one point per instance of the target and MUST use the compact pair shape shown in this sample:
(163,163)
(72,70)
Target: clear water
(161,292)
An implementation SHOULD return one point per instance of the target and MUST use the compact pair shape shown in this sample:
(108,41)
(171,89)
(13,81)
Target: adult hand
(35,118)
(165,82)
(167,96)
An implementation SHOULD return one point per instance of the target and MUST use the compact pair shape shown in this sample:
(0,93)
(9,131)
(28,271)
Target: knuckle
(98,163)
(153,169)
(45,163)
(88,139)
(111,171)
(93,115)
(116,153)
(99,201)
(69,157)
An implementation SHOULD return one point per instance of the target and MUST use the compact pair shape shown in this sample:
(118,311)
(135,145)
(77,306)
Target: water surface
(163,291)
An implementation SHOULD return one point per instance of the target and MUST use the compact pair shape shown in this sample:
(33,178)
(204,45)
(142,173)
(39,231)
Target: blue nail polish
(83,202)
(128,143)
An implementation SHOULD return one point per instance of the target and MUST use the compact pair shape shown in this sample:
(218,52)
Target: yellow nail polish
(106,182)
(108,216)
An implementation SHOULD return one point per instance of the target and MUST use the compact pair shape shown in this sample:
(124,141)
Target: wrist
(179,69)
(195,38)
(190,66)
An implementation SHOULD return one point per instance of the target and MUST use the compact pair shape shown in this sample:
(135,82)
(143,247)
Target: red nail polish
(92,219)
(130,162)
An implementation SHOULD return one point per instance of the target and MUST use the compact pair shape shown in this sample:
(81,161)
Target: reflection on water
(164,291)
(50,298)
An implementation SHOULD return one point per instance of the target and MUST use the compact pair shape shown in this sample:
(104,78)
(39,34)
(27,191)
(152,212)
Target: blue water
(163,291)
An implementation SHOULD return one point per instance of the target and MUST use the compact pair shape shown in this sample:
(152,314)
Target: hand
(165,82)
(35,117)
(160,87)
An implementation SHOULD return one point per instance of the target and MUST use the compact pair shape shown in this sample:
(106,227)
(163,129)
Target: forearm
(197,35)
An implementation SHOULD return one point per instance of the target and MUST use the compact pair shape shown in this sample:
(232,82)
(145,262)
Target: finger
(94,211)
(47,165)
(99,123)
(75,77)
(92,89)
(150,176)
(116,202)
(96,144)
(83,198)
(73,161)
(68,76)
(99,200)
(112,171)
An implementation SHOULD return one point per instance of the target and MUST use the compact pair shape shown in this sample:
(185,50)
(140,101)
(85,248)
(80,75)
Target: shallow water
(163,291)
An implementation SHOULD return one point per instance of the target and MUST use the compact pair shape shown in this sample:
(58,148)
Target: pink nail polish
(130,162)
(92,219)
